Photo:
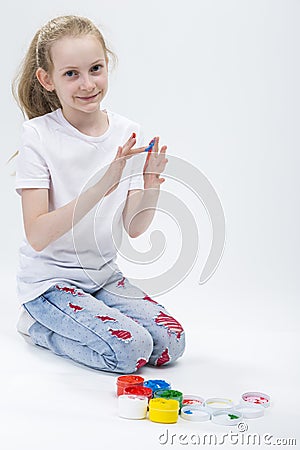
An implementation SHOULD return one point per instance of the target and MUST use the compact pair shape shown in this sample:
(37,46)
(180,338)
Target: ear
(44,79)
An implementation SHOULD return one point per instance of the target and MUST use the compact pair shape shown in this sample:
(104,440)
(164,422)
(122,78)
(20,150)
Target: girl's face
(79,75)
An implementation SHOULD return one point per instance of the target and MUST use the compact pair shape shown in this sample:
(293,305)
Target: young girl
(75,300)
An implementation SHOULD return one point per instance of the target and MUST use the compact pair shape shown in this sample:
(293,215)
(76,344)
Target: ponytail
(32,98)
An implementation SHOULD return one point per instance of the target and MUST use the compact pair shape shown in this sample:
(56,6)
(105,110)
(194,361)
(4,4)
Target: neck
(92,124)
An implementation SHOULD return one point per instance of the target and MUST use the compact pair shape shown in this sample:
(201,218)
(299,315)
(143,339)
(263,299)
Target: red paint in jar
(139,390)
(125,381)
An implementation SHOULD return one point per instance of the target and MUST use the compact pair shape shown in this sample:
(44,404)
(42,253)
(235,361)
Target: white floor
(49,402)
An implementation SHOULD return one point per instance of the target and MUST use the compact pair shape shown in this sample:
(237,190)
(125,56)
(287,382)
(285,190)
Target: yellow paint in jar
(163,410)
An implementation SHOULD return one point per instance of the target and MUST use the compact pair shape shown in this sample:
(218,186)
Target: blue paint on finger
(150,146)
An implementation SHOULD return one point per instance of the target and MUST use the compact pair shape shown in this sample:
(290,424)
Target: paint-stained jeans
(117,329)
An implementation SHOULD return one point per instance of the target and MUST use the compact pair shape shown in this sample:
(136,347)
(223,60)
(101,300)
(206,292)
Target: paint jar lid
(257,398)
(195,413)
(129,379)
(192,400)
(217,403)
(251,410)
(227,417)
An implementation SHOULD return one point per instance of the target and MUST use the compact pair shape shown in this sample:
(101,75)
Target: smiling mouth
(90,97)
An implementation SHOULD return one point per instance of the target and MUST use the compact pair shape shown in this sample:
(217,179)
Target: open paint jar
(139,390)
(216,403)
(125,381)
(192,400)
(155,385)
(195,413)
(132,406)
(227,417)
(169,394)
(256,398)
(250,410)
(162,410)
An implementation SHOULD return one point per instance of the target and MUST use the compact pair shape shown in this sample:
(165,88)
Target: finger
(131,139)
(151,144)
(148,157)
(135,151)
(163,149)
(156,146)
(130,143)
(128,146)
(119,152)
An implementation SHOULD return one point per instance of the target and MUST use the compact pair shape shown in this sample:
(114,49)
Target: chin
(90,108)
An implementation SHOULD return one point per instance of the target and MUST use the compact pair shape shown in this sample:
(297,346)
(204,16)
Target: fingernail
(133,135)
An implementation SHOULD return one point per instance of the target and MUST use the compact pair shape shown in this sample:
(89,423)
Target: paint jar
(251,410)
(155,385)
(132,406)
(169,394)
(192,400)
(216,403)
(195,413)
(163,410)
(138,390)
(126,381)
(256,398)
(227,417)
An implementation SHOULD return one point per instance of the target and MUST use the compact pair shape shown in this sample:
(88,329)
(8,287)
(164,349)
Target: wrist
(150,187)
(151,181)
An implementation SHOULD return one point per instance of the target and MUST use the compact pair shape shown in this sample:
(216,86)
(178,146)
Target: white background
(218,81)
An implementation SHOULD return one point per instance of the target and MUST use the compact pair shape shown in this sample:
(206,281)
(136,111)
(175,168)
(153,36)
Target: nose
(87,83)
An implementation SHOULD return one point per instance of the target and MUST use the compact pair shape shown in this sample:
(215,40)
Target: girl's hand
(155,164)
(116,167)
(127,151)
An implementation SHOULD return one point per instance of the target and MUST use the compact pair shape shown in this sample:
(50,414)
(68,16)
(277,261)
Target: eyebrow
(74,67)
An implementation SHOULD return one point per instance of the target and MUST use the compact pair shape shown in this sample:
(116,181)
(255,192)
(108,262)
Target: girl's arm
(139,210)
(140,205)
(43,227)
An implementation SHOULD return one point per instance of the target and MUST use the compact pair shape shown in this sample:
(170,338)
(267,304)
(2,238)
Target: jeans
(116,329)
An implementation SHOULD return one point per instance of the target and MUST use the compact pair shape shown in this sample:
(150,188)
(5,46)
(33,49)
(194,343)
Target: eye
(70,73)
(96,68)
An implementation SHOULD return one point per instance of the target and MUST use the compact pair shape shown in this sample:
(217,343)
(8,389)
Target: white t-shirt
(56,156)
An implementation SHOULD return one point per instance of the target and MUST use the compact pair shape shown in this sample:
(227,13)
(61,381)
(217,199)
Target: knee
(170,339)
(172,349)
(135,353)
(178,347)
(169,344)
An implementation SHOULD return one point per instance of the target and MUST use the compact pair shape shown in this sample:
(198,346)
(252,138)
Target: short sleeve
(138,161)
(31,167)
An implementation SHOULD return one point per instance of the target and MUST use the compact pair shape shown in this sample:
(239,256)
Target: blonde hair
(32,98)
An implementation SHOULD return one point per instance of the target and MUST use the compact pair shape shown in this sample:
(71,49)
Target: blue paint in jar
(157,384)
